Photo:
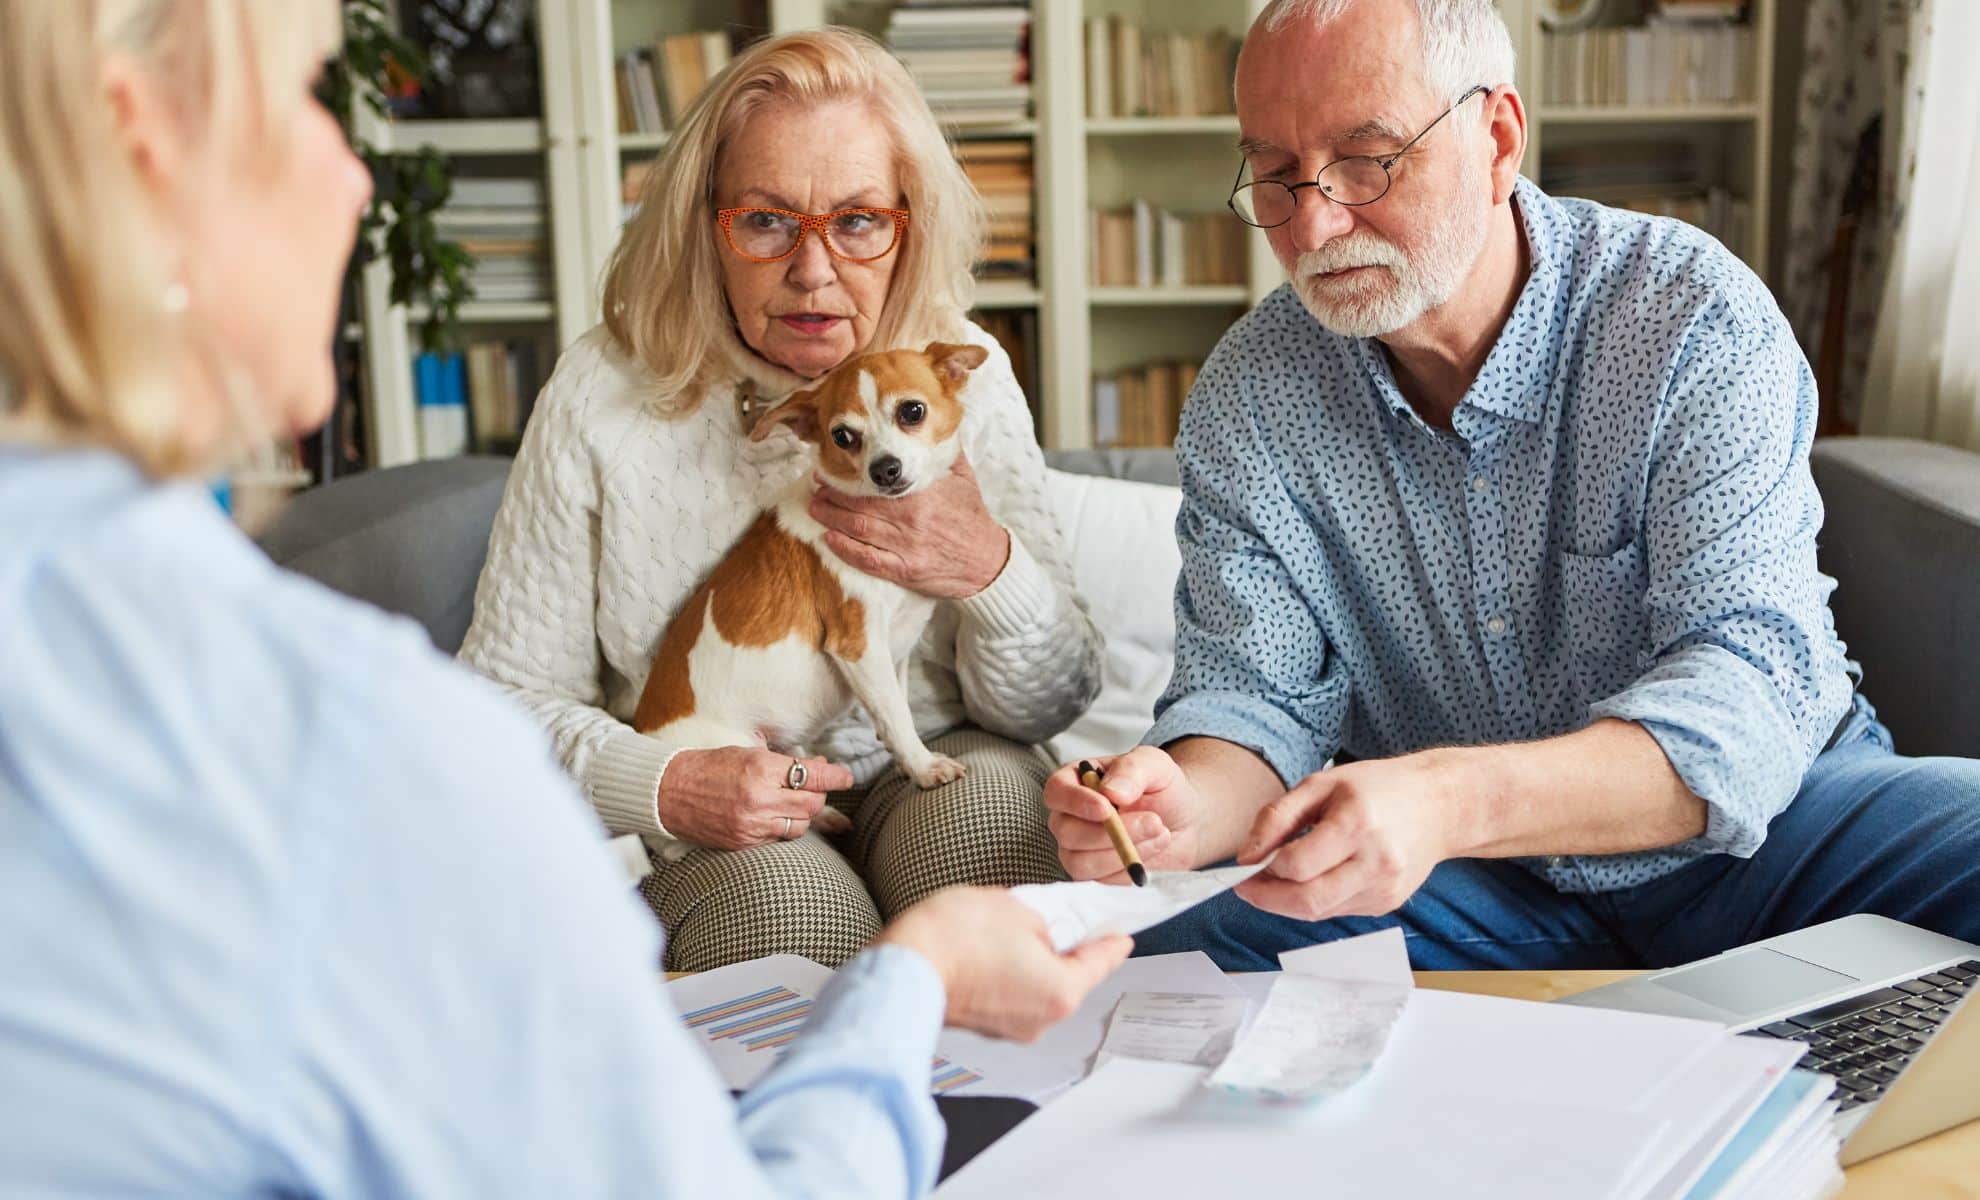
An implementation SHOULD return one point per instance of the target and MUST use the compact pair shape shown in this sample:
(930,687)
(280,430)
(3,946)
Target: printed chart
(748,1028)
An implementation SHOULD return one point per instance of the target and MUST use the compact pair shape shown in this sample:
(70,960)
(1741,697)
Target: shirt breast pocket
(1602,618)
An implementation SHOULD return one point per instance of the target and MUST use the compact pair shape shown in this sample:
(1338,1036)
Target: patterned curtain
(1924,373)
(1848,171)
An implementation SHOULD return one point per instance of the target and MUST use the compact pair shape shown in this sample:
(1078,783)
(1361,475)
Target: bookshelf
(1729,141)
(1081,331)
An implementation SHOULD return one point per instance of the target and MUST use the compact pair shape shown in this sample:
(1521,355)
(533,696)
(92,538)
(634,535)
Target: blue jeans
(1870,831)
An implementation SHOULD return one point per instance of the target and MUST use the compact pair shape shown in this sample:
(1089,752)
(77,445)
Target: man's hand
(1377,830)
(1162,811)
(997,963)
(940,542)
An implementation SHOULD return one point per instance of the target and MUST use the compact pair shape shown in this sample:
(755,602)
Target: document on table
(1325,1021)
(1179,1027)
(1131,1130)
(1473,1096)
(1062,1055)
(1080,912)
(745,1014)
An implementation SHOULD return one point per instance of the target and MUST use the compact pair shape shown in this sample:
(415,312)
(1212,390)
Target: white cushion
(1123,543)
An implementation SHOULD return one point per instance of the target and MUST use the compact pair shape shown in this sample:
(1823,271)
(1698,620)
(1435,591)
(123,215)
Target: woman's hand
(996,961)
(734,798)
(941,541)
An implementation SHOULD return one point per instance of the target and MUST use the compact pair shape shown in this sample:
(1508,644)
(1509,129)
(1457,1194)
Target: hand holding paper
(1377,829)
(1079,912)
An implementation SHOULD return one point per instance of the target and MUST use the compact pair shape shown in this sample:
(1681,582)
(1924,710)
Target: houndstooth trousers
(825,899)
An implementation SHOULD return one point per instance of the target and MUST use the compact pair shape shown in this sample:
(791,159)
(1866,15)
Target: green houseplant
(409,186)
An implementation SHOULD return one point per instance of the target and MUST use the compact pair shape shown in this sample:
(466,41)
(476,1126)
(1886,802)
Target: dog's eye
(913,413)
(845,439)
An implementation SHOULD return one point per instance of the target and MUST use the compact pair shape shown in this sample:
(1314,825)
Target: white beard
(1401,288)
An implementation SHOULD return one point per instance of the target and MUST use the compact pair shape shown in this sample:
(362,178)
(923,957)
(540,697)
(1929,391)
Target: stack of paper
(1471,1095)
(1337,1076)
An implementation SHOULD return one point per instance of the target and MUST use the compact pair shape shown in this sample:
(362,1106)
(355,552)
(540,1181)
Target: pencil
(1089,777)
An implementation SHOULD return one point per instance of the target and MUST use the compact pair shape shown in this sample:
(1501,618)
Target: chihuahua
(784,636)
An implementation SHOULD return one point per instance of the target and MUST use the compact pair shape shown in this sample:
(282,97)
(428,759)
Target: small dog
(783,636)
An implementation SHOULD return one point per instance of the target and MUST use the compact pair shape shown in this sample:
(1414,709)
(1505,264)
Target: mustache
(1356,249)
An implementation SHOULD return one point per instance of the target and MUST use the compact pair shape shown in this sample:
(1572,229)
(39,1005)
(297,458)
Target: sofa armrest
(1902,539)
(410,539)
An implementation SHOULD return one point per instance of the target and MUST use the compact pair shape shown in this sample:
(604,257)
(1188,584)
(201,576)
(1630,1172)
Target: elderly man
(1503,506)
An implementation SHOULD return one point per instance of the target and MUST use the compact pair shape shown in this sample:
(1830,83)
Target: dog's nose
(885,472)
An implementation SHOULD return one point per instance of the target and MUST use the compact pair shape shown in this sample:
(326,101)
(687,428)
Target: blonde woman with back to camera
(637,474)
(289,904)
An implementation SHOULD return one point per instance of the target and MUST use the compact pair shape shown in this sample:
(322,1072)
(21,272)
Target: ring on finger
(787,829)
(798,775)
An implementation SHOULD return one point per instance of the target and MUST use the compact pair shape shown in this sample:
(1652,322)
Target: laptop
(1884,1008)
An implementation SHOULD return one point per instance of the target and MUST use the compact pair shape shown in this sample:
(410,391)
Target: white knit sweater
(614,513)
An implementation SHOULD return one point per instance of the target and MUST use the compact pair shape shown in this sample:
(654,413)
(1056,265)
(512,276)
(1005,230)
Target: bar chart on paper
(747,1013)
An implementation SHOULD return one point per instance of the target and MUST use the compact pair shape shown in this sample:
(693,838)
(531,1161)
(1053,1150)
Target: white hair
(1465,42)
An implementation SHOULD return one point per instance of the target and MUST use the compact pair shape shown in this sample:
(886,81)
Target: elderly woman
(637,474)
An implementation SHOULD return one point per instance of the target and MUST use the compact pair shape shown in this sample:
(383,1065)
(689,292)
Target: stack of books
(658,83)
(1665,178)
(481,399)
(1686,54)
(1001,173)
(1145,246)
(1141,408)
(973,62)
(1016,330)
(1133,72)
(501,222)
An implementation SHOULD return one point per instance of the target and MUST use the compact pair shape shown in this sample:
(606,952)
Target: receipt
(1184,1027)
(1325,1021)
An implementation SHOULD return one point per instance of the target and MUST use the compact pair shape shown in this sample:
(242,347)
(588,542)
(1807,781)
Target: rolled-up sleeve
(1745,680)
(1253,665)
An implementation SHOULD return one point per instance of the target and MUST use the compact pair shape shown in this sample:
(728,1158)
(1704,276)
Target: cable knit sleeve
(535,629)
(1027,653)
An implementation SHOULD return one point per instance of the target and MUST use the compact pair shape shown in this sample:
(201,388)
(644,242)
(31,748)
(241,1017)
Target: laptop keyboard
(1864,1041)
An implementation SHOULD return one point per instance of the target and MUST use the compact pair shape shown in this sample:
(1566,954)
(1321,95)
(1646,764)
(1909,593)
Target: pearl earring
(177,298)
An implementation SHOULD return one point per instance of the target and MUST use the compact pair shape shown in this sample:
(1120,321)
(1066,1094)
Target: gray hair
(1465,42)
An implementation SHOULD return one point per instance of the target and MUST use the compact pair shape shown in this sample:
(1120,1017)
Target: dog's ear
(799,411)
(954,362)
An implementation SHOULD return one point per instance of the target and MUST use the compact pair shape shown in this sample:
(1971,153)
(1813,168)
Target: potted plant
(409,188)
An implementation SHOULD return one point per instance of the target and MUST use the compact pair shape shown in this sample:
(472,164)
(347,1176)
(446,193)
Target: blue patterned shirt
(1621,524)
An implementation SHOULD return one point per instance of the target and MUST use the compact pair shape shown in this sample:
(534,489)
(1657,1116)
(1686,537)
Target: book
(1136,72)
(972,62)
(1141,407)
(1145,246)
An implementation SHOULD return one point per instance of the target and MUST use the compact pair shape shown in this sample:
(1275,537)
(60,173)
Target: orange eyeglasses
(774,234)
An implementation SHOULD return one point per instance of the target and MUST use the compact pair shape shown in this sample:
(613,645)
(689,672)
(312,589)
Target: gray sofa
(1902,539)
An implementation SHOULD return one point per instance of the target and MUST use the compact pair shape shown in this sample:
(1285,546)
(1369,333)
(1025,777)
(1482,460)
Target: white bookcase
(1183,163)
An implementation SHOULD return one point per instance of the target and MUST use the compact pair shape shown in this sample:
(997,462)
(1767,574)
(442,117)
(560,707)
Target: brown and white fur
(784,635)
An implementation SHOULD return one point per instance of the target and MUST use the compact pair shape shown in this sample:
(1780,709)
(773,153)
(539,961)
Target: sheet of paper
(1062,1054)
(1080,912)
(1379,957)
(1131,1129)
(1313,1038)
(747,1013)
(1182,1027)
(1325,1021)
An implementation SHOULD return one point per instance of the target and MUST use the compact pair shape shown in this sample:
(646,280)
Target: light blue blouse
(291,905)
